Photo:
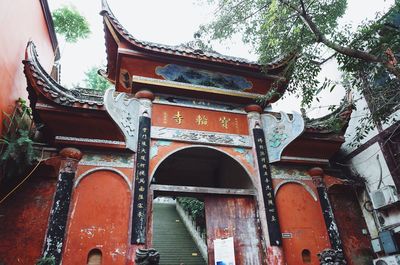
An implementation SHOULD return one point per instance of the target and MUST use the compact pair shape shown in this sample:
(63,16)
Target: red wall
(20,21)
(351,224)
(23,221)
(99,219)
(301,219)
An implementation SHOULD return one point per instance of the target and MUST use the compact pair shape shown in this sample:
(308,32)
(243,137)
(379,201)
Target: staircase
(171,238)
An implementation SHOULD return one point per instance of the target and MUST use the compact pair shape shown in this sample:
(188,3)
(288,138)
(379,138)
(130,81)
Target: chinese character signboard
(166,116)
(141,183)
(268,190)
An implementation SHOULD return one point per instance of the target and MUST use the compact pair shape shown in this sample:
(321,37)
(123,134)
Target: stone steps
(171,238)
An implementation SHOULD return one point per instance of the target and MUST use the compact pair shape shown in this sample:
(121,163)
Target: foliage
(95,81)
(309,28)
(69,23)
(380,87)
(195,208)
(16,151)
(46,261)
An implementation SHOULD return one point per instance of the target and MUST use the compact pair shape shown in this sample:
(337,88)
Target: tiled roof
(334,122)
(187,50)
(41,82)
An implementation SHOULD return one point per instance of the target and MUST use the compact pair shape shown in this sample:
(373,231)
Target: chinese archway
(182,121)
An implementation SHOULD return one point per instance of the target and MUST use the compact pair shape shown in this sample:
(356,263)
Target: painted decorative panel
(184,74)
(198,103)
(289,173)
(107,159)
(280,132)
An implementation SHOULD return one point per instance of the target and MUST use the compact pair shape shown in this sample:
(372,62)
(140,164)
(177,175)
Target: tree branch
(321,38)
(324,60)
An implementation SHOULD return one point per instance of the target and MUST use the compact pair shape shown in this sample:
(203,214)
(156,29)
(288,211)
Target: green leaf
(275,28)
(69,23)
(95,81)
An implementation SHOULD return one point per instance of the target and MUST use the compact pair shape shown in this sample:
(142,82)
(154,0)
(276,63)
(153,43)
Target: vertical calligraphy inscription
(165,118)
(267,189)
(139,211)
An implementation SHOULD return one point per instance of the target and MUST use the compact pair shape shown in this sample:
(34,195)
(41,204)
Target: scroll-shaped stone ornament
(280,132)
(124,110)
(147,257)
(331,257)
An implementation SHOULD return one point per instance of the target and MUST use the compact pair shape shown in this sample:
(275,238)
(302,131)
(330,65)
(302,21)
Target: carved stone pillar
(59,211)
(274,232)
(274,250)
(333,232)
(141,182)
(254,116)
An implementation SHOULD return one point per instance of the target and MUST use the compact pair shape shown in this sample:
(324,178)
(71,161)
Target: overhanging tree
(310,29)
(69,23)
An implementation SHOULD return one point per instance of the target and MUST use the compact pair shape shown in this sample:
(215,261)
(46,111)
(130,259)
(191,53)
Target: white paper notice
(224,252)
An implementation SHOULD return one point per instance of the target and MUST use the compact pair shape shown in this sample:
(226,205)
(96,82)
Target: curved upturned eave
(109,18)
(324,124)
(43,84)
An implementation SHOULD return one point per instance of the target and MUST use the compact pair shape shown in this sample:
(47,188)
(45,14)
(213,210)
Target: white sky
(173,22)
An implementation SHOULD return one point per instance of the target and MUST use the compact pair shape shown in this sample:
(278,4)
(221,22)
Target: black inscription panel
(268,191)
(139,212)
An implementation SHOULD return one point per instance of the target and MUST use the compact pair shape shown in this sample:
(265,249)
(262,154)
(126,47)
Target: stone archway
(202,166)
(227,190)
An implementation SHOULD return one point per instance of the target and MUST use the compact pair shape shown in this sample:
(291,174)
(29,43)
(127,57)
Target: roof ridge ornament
(187,51)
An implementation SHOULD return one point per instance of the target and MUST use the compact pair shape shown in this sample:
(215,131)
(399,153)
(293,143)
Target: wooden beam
(170,189)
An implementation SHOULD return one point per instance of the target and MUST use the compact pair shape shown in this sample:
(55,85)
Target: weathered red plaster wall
(99,218)
(350,222)
(23,221)
(300,216)
(20,21)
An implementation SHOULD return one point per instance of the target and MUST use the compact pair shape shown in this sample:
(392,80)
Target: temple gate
(185,122)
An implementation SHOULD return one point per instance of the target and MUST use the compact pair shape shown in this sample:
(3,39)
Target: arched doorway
(202,167)
(227,190)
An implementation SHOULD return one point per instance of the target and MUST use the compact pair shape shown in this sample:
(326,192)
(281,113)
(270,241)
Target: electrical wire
(23,181)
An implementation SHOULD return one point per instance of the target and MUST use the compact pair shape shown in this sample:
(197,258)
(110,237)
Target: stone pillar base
(331,257)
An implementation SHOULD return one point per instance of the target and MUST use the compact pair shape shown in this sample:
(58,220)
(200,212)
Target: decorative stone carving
(200,137)
(124,110)
(331,257)
(280,132)
(254,119)
(147,257)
